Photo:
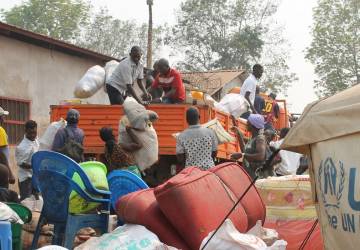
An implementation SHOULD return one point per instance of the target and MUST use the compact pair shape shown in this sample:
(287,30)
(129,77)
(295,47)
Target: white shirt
(249,85)
(23,154)
(124,74)
(290,161)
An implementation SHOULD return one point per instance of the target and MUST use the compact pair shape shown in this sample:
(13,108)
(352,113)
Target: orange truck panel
(172,119)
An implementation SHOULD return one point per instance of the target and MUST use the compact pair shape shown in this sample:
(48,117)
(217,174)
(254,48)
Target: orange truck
(172,119)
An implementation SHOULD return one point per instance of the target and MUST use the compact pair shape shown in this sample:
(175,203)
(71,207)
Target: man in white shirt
(248,89)
(290,161)
(120,83)
(23,154)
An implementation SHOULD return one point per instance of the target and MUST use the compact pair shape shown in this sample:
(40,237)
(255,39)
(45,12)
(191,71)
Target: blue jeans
(168,100)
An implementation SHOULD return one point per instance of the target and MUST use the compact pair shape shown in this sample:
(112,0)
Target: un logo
(331,182)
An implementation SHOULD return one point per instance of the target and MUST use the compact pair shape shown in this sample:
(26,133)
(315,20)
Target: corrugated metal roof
(210,81)
(50,43)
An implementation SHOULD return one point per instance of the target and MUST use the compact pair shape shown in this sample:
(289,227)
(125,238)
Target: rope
(303,244)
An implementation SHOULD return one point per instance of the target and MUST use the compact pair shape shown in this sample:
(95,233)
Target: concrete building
(36,72)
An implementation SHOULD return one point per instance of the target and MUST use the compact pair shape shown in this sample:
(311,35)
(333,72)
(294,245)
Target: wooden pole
(150,29)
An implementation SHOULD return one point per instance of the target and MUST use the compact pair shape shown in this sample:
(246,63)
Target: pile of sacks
(187,208)
(94,79)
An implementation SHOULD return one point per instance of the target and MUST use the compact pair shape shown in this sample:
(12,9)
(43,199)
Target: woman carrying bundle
(119,155)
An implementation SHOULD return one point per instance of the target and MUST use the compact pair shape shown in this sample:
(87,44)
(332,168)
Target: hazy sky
(295,15)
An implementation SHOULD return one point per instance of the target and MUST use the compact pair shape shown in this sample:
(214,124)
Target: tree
(60,19)
(110,36)
(229,34)
(335,49)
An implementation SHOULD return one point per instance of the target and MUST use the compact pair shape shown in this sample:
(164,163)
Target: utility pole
(150,29)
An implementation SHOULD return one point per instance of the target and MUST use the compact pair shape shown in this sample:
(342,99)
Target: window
(19,113)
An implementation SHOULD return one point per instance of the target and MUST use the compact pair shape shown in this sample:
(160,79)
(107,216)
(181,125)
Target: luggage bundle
(186,208)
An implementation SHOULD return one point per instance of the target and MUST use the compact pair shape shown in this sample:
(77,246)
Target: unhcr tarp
(329,132)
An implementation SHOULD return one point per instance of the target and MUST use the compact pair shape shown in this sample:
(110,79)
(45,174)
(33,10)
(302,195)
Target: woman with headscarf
(255,151)
(119,155)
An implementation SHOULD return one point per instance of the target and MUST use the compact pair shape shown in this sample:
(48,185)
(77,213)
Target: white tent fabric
(329,118)
(329,132)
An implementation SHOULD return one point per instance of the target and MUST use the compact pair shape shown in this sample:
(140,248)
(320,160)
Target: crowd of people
(195,146)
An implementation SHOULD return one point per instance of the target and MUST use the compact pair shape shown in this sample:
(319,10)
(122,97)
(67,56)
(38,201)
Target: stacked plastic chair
(52,176)
(123,182)
(5,235)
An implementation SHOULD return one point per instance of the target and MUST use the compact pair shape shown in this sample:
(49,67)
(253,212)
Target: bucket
(16,229)
(96,171)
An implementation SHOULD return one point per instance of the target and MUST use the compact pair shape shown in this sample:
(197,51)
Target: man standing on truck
(121,82)
(259,102)
(69,140)
(271,111)
(196,146)
(248,89)
(168,81)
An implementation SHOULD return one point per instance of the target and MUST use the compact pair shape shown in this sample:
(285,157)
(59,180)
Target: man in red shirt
(169,81)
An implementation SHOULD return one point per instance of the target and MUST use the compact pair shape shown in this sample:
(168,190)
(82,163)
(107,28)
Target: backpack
(72,148)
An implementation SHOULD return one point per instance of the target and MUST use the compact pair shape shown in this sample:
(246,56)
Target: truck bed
(172,119)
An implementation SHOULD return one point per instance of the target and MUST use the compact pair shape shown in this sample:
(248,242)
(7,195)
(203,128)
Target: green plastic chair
(16,229)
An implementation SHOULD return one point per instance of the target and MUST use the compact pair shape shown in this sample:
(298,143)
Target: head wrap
(257,121)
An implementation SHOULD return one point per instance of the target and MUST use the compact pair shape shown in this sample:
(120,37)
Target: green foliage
(108,35)
(231,34)
(335,49)
(59,19)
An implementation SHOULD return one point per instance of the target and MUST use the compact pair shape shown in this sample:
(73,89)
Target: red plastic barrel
(195,202)
(141,208)
(236,178)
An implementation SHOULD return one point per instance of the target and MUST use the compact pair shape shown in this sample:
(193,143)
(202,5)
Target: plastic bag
(33,204)
(146,156)
(48,137)
(7,214)
(90,83)
(233,104)
(128,236)
(228,238)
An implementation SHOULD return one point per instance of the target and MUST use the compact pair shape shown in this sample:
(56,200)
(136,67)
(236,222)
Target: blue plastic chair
(52,176)
(5,235)
(123,182)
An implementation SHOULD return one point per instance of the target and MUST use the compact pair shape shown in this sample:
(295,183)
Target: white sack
(109,69)
(221,134)
(128,236)
(90,83)
(7,214)
(33,204)
(138,116)
(48,137)
(234,104)
(228,238)
(148,154)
